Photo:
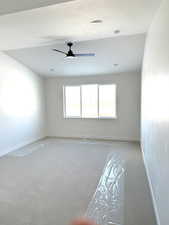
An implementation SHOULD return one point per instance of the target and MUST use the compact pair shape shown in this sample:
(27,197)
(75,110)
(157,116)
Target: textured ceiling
(71,21)
(126,51)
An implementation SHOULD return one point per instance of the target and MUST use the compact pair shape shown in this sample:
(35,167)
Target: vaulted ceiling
(9,6)
(29,35)
(72,21)
(126,51)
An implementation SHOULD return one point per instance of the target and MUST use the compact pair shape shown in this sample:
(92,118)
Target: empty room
(84,112)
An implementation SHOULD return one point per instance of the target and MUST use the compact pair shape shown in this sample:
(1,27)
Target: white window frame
(80,117)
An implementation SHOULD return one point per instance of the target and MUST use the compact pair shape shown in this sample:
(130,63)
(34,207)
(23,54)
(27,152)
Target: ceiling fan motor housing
(69,44)
(70,52)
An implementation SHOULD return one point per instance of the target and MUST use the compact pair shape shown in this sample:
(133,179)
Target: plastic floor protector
(107,204)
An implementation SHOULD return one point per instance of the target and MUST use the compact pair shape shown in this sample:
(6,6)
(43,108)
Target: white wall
(22,105)
(125,127)
(155,112)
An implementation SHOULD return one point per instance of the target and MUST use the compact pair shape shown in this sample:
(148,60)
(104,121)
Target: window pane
(90,101)
(107,100)
(72,101)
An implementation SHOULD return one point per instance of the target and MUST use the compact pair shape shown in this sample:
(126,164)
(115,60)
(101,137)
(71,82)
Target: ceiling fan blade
(85,54)
(60,51)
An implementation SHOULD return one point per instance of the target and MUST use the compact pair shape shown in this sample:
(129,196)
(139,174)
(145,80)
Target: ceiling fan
(71,54)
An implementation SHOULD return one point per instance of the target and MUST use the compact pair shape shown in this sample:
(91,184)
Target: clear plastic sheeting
(107,204)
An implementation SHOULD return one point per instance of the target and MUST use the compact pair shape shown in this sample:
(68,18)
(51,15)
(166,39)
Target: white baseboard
(96,138)
(151,190)
(23,144)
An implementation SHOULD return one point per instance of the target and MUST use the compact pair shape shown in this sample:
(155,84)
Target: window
(90,101)
(72,101)
(107,100)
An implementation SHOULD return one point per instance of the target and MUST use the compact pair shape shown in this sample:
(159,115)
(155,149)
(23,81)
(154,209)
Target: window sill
(91,118)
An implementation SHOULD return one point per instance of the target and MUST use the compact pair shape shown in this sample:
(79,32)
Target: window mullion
(98,101)
(81,101)
(64,102)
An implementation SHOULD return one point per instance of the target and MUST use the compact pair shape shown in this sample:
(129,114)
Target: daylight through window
(90,101)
